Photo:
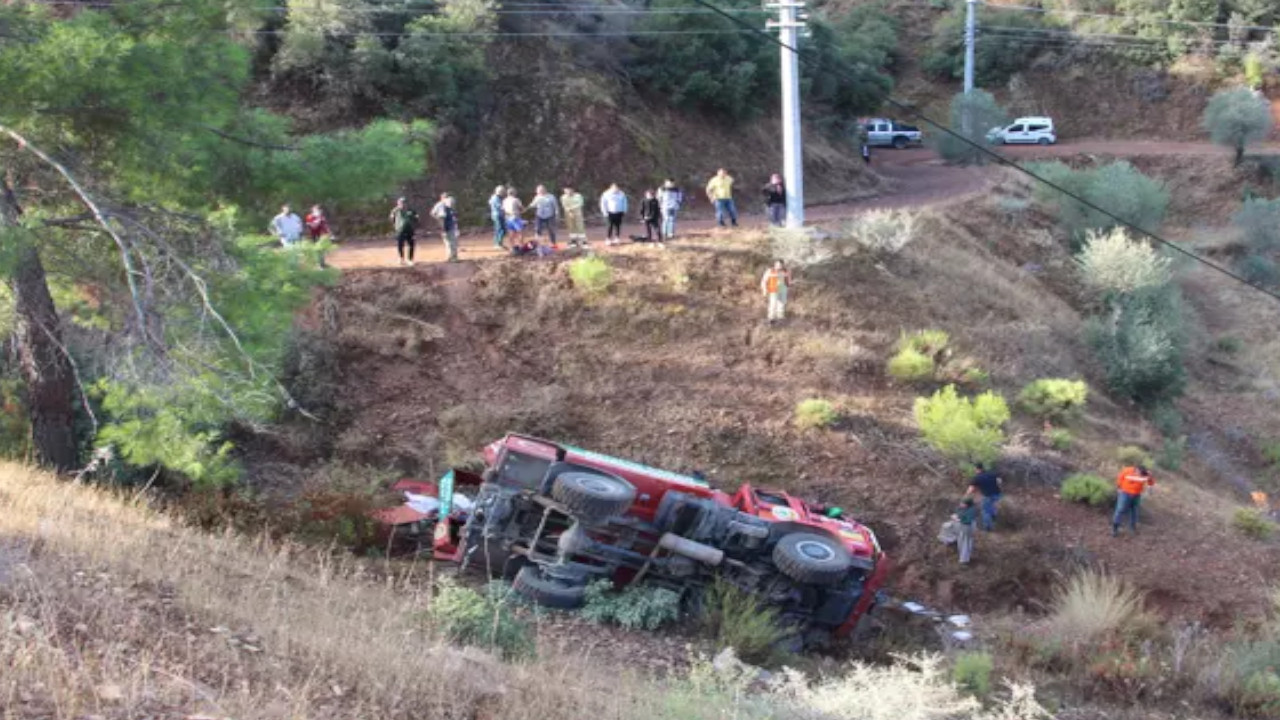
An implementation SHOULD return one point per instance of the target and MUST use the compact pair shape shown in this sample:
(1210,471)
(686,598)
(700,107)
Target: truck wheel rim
(815,550)
(595,484)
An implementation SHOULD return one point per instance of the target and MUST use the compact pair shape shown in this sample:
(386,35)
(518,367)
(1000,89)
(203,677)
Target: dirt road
(917,176)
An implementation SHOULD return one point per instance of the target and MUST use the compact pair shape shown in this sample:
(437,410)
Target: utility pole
(970,37)
(789,23)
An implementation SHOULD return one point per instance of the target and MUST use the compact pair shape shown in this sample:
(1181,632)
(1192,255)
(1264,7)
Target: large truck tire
(592,496)
(548,592)
(811,558)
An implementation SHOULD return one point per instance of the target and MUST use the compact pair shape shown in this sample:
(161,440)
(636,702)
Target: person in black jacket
(651,214)
(775,200)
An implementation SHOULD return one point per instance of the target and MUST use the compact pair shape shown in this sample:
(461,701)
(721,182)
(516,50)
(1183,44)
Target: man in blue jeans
(990,485)
(496,215)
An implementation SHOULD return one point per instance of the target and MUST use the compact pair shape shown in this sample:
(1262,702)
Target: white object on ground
(962,635)
(914,607)
(959,620)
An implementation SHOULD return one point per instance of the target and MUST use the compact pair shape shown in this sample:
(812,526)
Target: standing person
(866,153)
(964,517)
(286,226)
(573,216)
(720,193)
(990,485)
(651,214)
(613,206)
(774,285)
(317,224)
(404,220)
(545,213)
(1131,482)
(448,217)
(669,200)
(512,210)
(497,217)
(775,200)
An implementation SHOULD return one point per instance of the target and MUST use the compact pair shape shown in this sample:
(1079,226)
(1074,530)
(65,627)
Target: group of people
(987,485)
(287,227)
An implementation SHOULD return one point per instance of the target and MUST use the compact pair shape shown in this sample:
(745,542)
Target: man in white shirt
(287,226)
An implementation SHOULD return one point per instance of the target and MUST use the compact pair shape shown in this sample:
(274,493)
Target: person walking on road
(775,200)
(404,220)
(866,153)
(1131,483)
(990,485)
(545,213)
(317,224)
(287,226)
(574,219)
(651,214)
(512,217)
(613,206)
(448,217)
(497,217)
(669,200)
(964,517)
(720,193)
(775,284)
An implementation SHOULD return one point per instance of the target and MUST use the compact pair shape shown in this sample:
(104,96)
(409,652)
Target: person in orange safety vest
(774,285)
(1130,483)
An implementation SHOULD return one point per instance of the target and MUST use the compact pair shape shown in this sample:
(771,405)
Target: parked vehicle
(1028,130)
(881,132)
(555,518)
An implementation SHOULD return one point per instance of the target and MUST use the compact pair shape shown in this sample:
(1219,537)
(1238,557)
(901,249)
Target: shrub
(1259,270)
(467,617)
(1172,453)
(1259,223)
(925,342)
(1133,455)
(883,232)
(1140,345)
(738,619)
(815,413)
(1088,489)
(972,672)
(1113,262)
(910,365)
(1258,696)
(1054,398)
(975,377)
(962,429)
(998,58)
(1117,187)
(1229,345)
(592,274)
(1236,117)
(1167,419)
(1251,522)
(637,607)
(1091,606)
(1271,451)
(973,115)
(1060,439)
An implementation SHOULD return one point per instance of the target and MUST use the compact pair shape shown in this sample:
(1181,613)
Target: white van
(1028,130)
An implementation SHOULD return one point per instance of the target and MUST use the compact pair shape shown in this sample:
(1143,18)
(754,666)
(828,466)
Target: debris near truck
(555,518)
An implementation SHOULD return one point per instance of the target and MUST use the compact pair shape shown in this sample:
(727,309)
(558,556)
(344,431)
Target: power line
(1134,18)
(806,58)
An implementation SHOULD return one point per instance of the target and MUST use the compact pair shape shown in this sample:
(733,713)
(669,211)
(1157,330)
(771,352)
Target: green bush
(1259,270)
(1254,72)
(1054,398)
(1113,262)
(1236,117)
(997,58)
(738,619)
(1060,439)
(972,673)
(1172,453)
(1259,223)
(1140,345)
(637,607)
(963,429)
(973,115)
(1088,489)
(1229,345)
(1258,696)
(1271,452)
(1132,455)
(467,617)
(815,413)
(1251,522)
(1167,419)
(1117,187)
(925,342)
(910,365)
(591,274)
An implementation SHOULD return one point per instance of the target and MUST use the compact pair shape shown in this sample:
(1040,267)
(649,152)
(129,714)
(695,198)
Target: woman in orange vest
(774,285)
(1130,483)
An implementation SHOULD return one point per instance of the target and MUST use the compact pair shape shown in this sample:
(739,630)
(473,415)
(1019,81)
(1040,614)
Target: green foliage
(1054,398)
(926,342)
(1172,452)
(815,413)
(637,607)
(1253,71)
(1271,452)
(972,116)
(1060,439)
(1141,346)
(996,58)
(1133,455)
(591,274)
(1229,344)
(1113,262)
(1236,117)
(963,429)
(15,432)
(1167,419)
(1259,223)
(1117,187)
(1251,522)
(1088,489)
(486,620)
(738,619)
(972,673)
(1258,696)
(1259,269)
(910,365)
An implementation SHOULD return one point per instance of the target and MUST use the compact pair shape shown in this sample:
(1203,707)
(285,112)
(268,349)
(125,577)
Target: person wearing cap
(448,217)
(1130,484)
(497,217)
(669,199)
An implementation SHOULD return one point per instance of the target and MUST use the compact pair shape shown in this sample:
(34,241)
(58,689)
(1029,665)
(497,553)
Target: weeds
(1090,606)
(591,274)
(1060,439)
(972,673)
(737,619)
(637,607)
(815,414)
(1088,489)
(1054,398)
(1253,523)
(486,620)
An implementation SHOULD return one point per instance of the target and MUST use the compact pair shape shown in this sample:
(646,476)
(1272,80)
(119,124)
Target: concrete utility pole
(790,21)
(970,37)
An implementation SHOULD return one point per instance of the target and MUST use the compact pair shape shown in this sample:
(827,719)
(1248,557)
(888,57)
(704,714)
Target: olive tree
(1237,117)
(973,114)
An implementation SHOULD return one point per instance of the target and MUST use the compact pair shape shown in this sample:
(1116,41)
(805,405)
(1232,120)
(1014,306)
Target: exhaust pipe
(691,549)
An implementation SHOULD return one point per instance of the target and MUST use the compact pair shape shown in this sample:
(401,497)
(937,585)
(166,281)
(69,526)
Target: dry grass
(1092,605)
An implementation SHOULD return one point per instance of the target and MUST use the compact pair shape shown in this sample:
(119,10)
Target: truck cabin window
(520,470)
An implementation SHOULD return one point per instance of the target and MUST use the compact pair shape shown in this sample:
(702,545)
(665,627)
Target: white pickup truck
(888,133)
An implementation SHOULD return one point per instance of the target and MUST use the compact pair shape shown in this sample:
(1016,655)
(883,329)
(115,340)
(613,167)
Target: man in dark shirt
(990,485)
(775,200)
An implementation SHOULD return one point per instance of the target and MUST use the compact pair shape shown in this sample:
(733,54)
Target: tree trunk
(50,382)
(1239,154)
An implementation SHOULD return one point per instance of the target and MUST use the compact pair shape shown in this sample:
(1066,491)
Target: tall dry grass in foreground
(109,609)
